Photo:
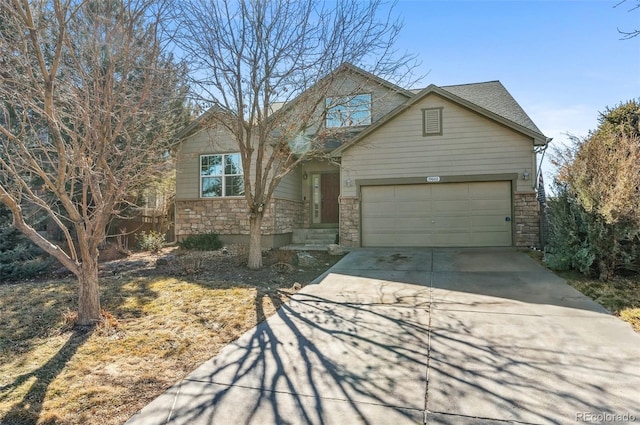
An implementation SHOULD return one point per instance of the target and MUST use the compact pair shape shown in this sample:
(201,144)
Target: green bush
(584,241)
(19,257)
(150,241)
(201,242)
(594,224)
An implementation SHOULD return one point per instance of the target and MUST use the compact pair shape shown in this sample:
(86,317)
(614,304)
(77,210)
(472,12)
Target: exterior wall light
(305,176)
(348,182)
(525,175)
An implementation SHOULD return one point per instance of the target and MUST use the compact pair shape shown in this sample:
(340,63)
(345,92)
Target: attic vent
(432,122)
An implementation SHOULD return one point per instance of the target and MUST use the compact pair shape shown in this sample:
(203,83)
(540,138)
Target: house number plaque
(433,179)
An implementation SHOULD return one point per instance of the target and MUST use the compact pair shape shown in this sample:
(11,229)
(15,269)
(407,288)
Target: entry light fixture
(348,182)
(525,175)
(305,176)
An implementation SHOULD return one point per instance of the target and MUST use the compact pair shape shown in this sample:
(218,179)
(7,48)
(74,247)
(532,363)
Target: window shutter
(432,121)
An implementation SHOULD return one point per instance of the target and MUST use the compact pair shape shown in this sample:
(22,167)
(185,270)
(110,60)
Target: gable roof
(494,97)
(282,107)
(490,99)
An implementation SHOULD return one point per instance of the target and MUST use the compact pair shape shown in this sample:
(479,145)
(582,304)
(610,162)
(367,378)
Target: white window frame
(223,176)
(344,103)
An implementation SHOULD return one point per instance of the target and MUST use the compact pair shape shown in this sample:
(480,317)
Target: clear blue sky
(563,61)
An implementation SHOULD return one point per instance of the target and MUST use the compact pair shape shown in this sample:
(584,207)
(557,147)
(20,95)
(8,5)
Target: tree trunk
(254,260)
(89,296)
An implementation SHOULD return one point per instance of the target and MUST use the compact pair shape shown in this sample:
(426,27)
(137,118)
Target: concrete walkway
(436,336)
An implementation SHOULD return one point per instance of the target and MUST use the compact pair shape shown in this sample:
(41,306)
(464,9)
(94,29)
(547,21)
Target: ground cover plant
(158,323)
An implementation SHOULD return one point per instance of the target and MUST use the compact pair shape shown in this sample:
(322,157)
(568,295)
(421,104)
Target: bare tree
(246,55)
(88,100)
(629,34)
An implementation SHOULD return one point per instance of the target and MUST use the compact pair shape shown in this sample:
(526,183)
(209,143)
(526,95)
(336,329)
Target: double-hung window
(348,111)
(221,175)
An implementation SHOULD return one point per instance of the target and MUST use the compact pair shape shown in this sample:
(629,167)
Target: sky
(563,61)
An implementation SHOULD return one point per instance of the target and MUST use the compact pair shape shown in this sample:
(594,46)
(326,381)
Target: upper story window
(221,175)
(348,111)
(432,122)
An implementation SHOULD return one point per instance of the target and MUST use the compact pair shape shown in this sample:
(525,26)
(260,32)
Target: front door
(330,191)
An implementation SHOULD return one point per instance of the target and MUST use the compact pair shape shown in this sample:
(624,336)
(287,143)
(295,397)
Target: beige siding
(383,100)
(290,186)
(470,145)
(215,141)
(204,142)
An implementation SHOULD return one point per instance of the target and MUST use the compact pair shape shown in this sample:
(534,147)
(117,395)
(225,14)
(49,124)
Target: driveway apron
(414,336)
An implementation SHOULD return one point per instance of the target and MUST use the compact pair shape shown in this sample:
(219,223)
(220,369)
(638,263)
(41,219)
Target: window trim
(223,176)
(426,133)
(344,99)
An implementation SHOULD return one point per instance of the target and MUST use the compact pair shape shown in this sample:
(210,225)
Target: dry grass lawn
(157,330)
(621,296)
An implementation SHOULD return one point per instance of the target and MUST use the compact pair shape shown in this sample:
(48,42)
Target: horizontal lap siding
(290,186)
(470,145)
(211,142)
(204,142)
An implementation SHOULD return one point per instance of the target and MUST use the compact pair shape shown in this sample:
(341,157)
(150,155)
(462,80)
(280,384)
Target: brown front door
(330,187)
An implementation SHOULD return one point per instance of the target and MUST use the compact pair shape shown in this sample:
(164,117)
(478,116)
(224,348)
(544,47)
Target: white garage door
(443,214)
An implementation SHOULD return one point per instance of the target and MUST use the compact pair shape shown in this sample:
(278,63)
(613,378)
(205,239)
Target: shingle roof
(492,96)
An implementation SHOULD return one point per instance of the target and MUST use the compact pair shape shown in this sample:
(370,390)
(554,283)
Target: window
(348,111)
(432,122)
(221,175)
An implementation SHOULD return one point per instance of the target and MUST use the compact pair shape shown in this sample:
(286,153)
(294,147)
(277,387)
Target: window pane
(211,165)
(234,186)
(233,164)
(211,187)
(349,111)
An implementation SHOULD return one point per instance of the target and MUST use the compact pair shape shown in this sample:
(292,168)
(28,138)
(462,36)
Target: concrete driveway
(413,336)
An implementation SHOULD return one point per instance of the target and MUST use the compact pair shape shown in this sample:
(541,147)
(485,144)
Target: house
(442,166)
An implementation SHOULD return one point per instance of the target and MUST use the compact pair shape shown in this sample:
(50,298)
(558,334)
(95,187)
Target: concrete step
(314,236)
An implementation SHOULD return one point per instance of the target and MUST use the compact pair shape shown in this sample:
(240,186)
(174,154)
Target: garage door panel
(450,206)
(450,192)
(412,192)
(490,205)
(447,214)
(377,194)
(491,239)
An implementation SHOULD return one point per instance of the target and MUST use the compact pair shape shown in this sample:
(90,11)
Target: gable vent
(432,122)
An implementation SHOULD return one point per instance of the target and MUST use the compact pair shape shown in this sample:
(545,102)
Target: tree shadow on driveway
(361,349)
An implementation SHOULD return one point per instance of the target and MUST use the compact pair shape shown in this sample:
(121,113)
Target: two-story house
(441,166)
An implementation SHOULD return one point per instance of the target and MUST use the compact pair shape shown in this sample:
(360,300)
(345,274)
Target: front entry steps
(313,239)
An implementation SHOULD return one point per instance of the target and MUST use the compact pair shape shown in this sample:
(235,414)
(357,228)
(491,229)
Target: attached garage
(437,214)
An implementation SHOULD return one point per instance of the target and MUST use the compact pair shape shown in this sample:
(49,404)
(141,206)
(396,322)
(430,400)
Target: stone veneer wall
(527,219)
(289,215)
(349,222)
(228,216)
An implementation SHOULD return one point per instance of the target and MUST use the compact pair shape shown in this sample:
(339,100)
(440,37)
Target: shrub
(192,263)
(19,257)
(201,242)
(583,240)
(150,241)
(594,224)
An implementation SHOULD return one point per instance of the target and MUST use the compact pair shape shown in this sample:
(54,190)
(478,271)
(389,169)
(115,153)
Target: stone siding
(289,215)
(228,216)
(527,220)
(350,222)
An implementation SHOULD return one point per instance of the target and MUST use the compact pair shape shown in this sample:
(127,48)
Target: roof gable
(279,108)
(489,99)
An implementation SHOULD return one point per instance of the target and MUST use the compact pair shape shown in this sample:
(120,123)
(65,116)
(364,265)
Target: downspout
(543,150)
